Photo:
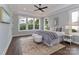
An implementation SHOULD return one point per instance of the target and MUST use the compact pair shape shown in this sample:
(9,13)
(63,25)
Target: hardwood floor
(72,49)
(13,48)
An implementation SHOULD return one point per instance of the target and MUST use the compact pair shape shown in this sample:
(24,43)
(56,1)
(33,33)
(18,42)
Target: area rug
(29,47)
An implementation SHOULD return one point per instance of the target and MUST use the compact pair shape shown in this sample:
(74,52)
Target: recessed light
(24,8)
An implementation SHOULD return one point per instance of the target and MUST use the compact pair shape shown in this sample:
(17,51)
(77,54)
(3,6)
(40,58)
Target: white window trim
(27,25)
(19,26)
(39,24)
(70,16)
(44,22)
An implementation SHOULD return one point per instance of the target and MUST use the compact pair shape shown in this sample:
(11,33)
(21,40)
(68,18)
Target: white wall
(5,34)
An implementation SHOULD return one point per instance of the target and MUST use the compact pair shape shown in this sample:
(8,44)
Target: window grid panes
(75,16)
(36,22)
(28,23)
(46,27)
(22,23)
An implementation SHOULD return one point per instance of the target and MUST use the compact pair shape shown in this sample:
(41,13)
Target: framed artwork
(4,16)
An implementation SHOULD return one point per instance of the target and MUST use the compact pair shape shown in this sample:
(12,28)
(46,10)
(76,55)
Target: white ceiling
(28,9)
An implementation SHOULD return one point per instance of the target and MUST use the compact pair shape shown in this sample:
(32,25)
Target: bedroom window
(28,23)
(22,23)
(46,27)
(75,16)
(36,22)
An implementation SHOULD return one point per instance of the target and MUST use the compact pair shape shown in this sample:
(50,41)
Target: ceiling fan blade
(44,7)
(36,6)
(36,10)
(41,10)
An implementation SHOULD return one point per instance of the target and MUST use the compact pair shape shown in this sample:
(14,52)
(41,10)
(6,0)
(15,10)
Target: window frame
(27,24)
(19,24)
(70,16)
(39,24)
(44,24)
(77,17)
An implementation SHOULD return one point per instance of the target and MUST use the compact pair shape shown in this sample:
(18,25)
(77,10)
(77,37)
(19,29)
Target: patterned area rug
(29,47)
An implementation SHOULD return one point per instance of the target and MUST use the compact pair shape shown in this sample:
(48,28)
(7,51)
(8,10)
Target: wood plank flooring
(72,49)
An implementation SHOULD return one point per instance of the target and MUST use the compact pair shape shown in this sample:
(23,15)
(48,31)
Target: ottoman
(37,38)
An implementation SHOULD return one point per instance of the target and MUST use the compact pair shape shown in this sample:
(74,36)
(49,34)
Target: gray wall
(16,32)
(63,19)
(63,15)
(5,34)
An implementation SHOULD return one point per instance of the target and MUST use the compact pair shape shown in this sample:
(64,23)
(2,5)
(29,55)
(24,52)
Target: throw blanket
(47,37)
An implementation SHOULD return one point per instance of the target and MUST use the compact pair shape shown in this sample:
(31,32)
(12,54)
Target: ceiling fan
(40,8)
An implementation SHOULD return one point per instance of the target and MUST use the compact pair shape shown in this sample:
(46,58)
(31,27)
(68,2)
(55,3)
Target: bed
(50,38)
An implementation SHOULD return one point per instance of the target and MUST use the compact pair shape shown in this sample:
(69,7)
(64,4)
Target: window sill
(28,30)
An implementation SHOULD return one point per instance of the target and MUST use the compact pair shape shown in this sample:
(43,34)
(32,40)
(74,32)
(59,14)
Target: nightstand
(68,38)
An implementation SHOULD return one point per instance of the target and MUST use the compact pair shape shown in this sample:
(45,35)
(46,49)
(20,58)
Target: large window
(75,16)
(22,23)
(28,23)
(46,27)
(36,23)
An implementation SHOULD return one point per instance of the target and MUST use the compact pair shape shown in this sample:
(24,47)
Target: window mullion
(44,24)
(26,24)
(39,23)
(33,23)
(78,17)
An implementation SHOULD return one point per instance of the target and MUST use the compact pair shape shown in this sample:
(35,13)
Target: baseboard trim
(21,35)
